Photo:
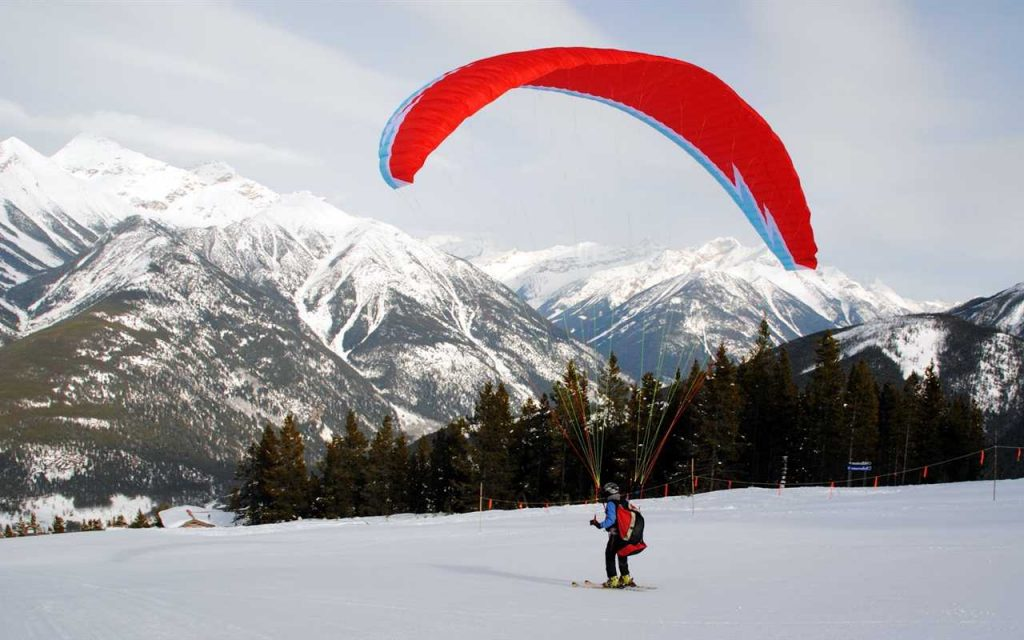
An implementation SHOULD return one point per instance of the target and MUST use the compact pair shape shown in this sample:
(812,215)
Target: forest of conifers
(744,423)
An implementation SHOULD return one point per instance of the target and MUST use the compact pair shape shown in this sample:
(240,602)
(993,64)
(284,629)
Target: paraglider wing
(691,106)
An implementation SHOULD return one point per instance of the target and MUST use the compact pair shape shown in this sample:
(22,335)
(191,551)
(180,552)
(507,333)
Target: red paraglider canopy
(683,101)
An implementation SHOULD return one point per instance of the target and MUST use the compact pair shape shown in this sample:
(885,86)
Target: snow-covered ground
(918,562)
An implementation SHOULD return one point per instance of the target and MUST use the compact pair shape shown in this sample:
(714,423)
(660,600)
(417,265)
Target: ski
(590,584)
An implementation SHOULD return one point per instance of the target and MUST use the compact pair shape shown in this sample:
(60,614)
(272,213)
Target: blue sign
(858,466)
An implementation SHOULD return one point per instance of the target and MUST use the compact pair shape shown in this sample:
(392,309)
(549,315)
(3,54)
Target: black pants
(614,544)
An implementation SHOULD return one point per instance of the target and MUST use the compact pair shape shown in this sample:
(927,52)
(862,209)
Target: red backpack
(630,524)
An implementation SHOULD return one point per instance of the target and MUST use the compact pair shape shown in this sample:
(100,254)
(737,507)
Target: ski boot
(626,581)
(612,583)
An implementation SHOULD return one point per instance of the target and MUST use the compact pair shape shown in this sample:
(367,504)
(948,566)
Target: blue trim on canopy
(762,221)
(387,136)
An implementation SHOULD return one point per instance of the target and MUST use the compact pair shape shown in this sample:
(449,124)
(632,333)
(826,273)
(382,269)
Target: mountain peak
(14,148)
(88,154)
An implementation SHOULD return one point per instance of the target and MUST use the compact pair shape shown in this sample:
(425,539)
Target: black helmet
(609,489)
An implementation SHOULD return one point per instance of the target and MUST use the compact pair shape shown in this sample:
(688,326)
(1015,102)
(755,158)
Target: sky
(902,118)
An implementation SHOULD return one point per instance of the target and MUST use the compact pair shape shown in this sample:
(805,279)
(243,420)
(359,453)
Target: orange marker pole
(666,489)
(876,482)
(1018,454)
(925,474)
(981,461)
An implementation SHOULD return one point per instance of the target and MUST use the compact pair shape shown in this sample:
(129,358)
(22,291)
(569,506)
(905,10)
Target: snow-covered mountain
(1003,311)
(211,194)
(146,368)
(650,304)
(421,326)
(418,323)
(47,216)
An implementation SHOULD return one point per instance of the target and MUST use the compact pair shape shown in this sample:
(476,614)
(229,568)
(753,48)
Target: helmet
(609,489)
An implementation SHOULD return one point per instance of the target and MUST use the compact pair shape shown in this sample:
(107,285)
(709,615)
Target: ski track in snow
(915,563)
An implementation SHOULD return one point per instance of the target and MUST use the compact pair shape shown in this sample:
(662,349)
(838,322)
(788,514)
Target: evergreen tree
(932,418)
(354,462)
(785,416)
(8,531)
(535,454)
(908,425)
(34,527)
(450,486)
(398,473)
(718,429)
(378,470)
(611,418)
(674,462)
(58,525)
(252,500)
(890,433)
(860,406)
(118,521)
(334,482)
(758,422)
(418,478)
(493,419)
(823,449)
(572,417)
(140,521)
(290,478)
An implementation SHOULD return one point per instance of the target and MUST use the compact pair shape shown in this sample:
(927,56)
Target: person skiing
(612,498)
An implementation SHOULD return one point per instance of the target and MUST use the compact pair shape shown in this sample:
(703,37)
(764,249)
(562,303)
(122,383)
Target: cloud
(495,27)
(149,133)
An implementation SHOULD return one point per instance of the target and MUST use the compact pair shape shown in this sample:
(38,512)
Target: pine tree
(823,449)
(253,500)
(611,417)
(418,477)
(718,429)
(58,525)
(785,415)
(674,462)
(291,478)
(34,527)
(140,521)
(758,423)
(8,531)
(932,418)
(451,489)
(398,473)
(889,432)
(536,452)
(860,407)
(354,461)
(908,425)
(492,417)
(378,470)
(571,416)
(334,484)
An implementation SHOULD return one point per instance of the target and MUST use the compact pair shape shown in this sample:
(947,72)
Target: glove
(595,523)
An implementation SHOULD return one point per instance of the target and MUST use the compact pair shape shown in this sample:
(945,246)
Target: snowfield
(916,562)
